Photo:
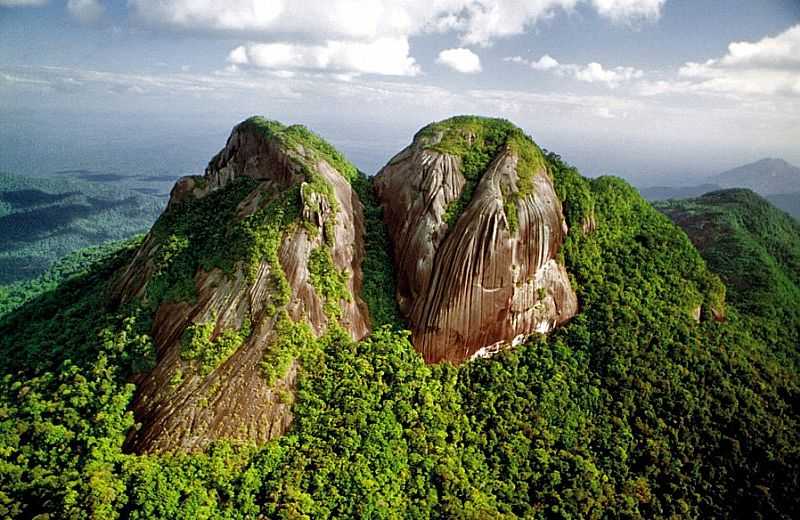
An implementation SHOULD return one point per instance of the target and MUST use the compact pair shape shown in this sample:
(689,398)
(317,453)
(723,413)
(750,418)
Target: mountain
(788,202)
(293,339)
(755,249)
(765,177)
(477,228)
(269,238)
(775,179)
(44,219)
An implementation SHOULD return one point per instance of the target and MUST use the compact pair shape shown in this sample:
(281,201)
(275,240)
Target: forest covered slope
(755,248)
(45,219)
(660,398)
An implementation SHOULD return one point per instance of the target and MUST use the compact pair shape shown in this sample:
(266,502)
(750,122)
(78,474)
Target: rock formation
(293,204)
(272,236)
(477,228)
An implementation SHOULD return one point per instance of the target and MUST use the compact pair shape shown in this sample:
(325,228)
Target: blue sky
(657,91)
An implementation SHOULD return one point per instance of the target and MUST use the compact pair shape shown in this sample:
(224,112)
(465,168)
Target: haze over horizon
(656,91)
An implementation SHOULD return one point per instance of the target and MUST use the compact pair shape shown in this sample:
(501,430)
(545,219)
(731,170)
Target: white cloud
(335,19)
(13,78)
(86,11)
(485,20)
(546,62)
(22,3)
(353,36)
(590,73)
(476,21)
(238,56)
(595,73)
(387,56)
(629,11)
(461,60)
(782,51)
(768,67)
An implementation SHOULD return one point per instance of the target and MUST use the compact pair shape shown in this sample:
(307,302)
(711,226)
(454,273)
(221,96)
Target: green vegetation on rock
(378,287)
(632,410)
(199,344)
(308,144)
(476,141)
(207,233)
(293,341)
(328,281)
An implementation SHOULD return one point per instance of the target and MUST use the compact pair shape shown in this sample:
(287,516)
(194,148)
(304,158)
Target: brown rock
(482,284)
(234,401)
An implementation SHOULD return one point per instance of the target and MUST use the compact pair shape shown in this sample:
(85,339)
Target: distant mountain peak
(767,176)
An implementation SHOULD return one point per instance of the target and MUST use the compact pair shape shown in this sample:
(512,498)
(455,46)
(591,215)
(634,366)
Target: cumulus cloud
(629,11)
(85,11)
(386,56)
(595,73)
(782,51)
(590,73)
(767,67)
(238,56)
(331,20)
(461,60)
(546,62)
(482,21)
(476,21)
(328,36)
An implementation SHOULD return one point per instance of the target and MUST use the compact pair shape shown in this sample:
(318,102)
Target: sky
(659,92)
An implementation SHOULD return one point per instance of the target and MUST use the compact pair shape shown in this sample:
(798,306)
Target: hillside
(44,219)
(248,358)
(755,249)
(765,177)
(75,264)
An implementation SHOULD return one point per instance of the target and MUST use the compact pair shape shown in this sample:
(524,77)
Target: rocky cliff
(271,236)
(477,228)
(267,247)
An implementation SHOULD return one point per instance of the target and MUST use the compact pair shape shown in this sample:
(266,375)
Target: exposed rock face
(182,407)
(491,278)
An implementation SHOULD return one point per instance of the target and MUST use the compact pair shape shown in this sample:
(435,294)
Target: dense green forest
(635,409)
(45,219)
(75,264)
(755,248)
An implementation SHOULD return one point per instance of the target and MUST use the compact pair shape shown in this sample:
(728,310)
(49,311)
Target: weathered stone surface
(234,401)
(470,289)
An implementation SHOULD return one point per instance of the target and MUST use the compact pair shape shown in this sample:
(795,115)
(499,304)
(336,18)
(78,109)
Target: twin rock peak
(271,242)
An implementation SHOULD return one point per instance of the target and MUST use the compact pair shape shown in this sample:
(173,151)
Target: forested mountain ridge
(44,219)
(774,179)
(755,248)
(645,404)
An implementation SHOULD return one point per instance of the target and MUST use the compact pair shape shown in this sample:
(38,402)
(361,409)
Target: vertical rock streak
(234,401)
(481,283)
